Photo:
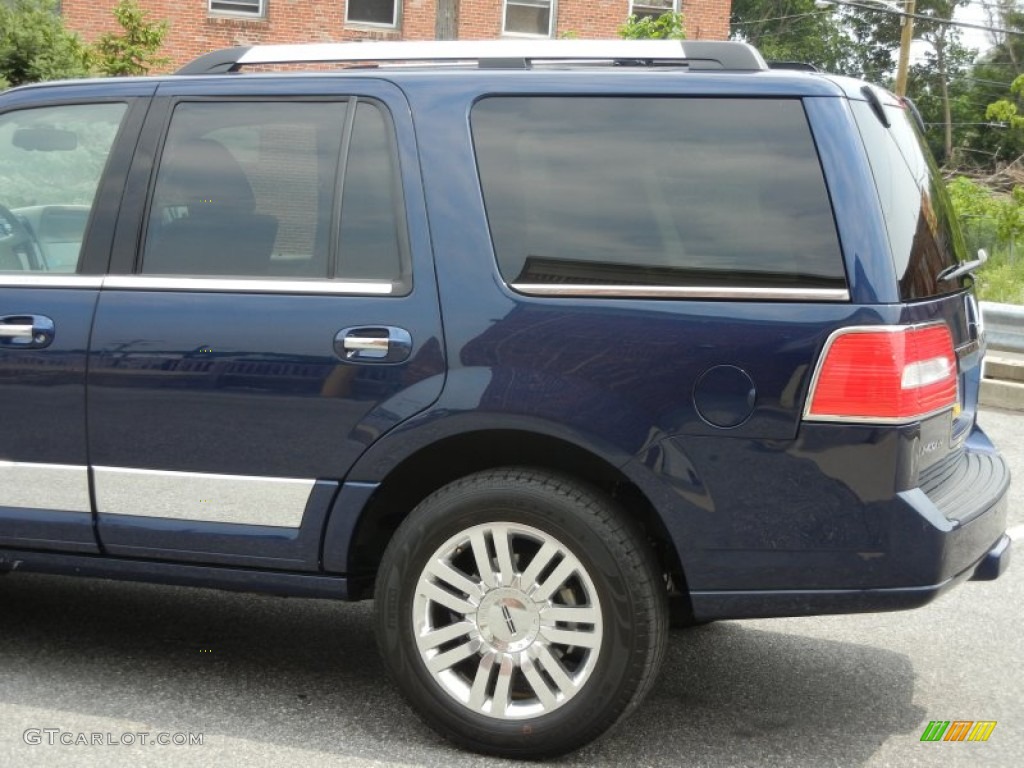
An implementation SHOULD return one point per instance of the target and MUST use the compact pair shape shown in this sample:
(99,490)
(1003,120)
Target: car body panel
(246,384)
(200,388)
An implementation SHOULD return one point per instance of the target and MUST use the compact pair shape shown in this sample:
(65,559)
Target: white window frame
(396,16)
(632,3)
(240,12)
(552,19)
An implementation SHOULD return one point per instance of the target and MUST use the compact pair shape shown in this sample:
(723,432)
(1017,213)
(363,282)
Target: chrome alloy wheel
(507,621)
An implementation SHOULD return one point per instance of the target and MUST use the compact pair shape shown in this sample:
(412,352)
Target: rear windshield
(923,229)
(655,191)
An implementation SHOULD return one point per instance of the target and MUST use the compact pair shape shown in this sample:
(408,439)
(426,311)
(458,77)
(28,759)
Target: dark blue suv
(540,345)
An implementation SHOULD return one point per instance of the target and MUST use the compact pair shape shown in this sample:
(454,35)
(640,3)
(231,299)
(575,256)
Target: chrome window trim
(201,284)
(59,487)
(683,292)
(278,502)
(248,285)
(50,280)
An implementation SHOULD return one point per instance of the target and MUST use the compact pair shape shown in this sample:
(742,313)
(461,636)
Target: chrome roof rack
(696,54)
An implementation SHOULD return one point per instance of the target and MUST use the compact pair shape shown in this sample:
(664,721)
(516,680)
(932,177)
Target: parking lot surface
(265,681)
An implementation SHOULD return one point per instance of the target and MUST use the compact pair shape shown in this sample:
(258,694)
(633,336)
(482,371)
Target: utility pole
(906,14)
(905,38)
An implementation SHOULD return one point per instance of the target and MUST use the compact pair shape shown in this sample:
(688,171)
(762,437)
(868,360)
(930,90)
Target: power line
(930,19)
(997,6)
(986,82)
(780,18)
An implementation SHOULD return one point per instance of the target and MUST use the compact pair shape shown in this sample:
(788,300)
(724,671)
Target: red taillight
(888,374)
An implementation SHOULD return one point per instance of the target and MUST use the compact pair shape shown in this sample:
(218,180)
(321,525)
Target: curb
(1002,385)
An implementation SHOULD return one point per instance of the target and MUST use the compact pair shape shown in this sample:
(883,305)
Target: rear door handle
(26,331)
(373,344)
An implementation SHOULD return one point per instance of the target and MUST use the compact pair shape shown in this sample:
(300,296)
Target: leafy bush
(34,45)
(995,223)
(134,50)
(668,26)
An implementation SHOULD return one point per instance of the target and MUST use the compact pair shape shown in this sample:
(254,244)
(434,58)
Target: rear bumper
(831,526)
(708,606)
(994,563)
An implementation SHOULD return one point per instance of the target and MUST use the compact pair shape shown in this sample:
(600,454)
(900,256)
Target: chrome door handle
(367,344)
(11,331)
(373,344)
(26,331)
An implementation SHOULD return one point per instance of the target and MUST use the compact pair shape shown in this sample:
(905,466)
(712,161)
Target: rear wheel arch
(440,463)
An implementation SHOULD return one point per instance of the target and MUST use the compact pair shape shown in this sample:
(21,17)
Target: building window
(535,18)
(255,8)
(381,13)
(652,8)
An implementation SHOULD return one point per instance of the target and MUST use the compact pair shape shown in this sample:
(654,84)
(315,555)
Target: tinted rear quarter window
(923,230)
(655,191)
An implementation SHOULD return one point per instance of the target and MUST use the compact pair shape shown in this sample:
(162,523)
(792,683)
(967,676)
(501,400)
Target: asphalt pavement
(265,681)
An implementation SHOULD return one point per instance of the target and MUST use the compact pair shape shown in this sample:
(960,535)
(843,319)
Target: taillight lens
(888,375)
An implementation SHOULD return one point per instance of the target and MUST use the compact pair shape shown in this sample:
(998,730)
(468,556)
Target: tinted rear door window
(924,233)
(655,191)
(281,189)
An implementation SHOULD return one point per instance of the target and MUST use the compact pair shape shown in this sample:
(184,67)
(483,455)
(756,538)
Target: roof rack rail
(796,66)
(697,54)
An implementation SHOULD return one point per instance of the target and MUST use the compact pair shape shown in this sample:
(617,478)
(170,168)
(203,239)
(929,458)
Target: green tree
(847,41)
(996,139)
(943,95)
(133,51)
(938,84)
(1006,112)
(668,26)
(34,45)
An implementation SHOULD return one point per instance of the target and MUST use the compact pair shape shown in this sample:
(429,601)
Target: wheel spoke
(445,598)
(573,614)
(483,560)
(570,637)
(448,659)
(443,635)
(547,698)
(478,693)
(503,550)
(553,667)
(443,572)
(503,687)
(563,571)
(538,564)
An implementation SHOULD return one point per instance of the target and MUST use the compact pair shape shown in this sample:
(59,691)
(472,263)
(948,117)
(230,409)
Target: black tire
(617,583)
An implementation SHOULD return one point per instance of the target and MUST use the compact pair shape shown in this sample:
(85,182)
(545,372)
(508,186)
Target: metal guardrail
(1004,326)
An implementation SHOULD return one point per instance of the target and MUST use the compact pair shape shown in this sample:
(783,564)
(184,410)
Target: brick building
(198,26)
